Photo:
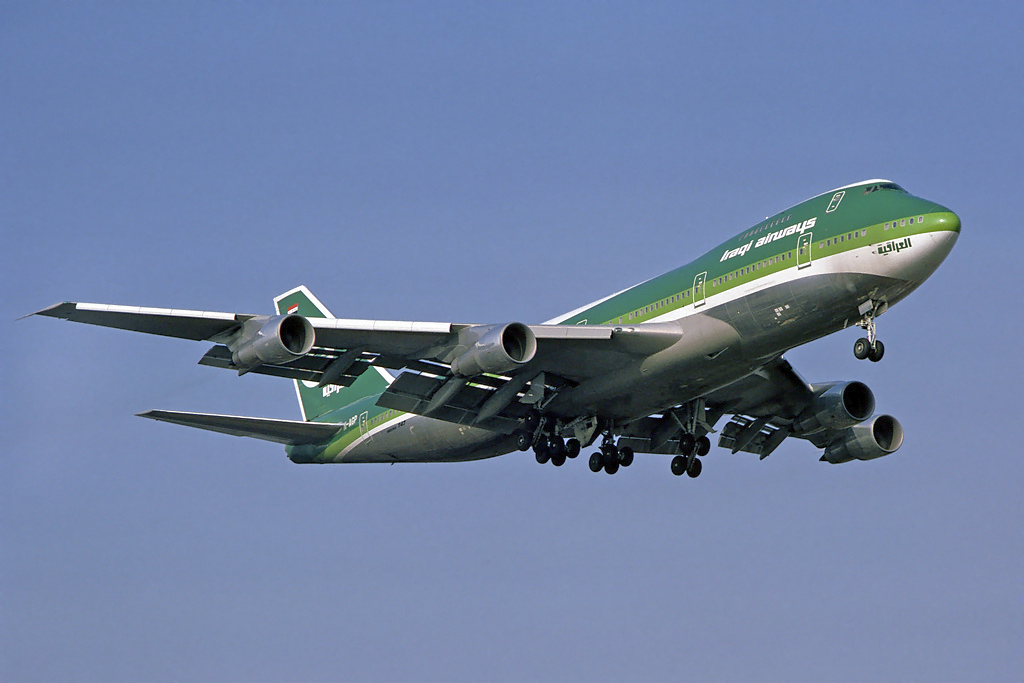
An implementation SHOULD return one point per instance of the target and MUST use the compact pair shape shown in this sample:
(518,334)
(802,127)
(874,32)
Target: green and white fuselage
(806,272)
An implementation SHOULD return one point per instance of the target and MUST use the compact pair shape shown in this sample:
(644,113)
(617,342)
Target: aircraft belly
(792,313)
(421,439)
(699,359)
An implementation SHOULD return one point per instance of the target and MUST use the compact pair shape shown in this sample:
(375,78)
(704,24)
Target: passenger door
(698,290)
(803,250)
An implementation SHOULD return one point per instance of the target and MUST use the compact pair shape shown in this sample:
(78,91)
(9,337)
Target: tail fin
(316,401)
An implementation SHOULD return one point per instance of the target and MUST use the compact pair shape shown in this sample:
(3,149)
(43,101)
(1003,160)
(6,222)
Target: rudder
(316,401)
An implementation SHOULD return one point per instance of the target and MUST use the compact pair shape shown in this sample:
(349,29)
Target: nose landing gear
(870,347)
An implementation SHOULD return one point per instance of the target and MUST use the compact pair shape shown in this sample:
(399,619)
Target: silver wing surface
(437,378)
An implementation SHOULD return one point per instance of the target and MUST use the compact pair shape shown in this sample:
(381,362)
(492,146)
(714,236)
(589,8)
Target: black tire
(522,441)
(861,348)
(687,443)
(876,353)
(558,458)
(596,462)
(611,467)
(542,453)
(703,445)
(678,465)
(531,421)
(694,469)
(625,456)
(572,448)
(610,453)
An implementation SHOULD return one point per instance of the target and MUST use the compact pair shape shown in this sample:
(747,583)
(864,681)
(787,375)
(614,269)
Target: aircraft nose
(950,221)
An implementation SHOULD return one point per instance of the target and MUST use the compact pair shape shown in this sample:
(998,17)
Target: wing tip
(58,310)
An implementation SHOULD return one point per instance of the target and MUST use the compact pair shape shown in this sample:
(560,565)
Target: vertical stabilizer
(316,401)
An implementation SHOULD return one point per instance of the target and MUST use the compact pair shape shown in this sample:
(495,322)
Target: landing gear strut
(869,347)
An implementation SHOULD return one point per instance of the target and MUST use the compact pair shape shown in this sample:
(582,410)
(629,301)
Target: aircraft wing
(769,405)
(339,350)
(764,406)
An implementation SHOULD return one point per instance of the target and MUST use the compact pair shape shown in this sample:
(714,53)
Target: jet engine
(497,349)
(881,435)
(836,406)
(281,339)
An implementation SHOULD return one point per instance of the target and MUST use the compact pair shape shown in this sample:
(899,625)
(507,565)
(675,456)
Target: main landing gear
(869,347)
(692,422)
(690,447)
(610,457)
(555,450)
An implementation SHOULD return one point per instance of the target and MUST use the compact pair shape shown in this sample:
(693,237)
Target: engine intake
(281,339)
(837,406)
(881,435)
(499,349)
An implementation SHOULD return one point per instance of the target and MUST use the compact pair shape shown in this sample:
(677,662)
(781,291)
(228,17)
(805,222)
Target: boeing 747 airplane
(651,369)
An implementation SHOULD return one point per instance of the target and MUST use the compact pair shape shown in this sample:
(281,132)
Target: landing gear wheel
(611,467)
(861,348)
(687,442)
(596,462)
(558,452)
(678,465)
(875,354)
(625,456)
(531,421)
(572,447)
(522,441)
(703,445)
(542,452)
(694,469)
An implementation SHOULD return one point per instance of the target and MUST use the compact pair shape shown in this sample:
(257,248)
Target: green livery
(651,369)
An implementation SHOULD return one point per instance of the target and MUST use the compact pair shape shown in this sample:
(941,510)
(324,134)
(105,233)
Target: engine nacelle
(281,339)
(881,435)
(499,349)
(840,405)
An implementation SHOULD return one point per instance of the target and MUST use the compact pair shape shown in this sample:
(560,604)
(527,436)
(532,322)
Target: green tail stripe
(318,401)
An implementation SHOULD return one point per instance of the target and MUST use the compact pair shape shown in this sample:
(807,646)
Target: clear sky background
(487,162)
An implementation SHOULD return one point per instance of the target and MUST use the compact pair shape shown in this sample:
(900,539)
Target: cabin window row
(675,298)
(843,238)
(903,222)
(750,269)
(767,226)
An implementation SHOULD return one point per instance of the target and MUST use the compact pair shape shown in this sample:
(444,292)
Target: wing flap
(288,432)
(308,368)
(412,393)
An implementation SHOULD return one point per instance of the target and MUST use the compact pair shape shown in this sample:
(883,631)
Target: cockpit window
(882,186)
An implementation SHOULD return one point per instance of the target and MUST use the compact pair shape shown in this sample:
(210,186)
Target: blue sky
(481,163)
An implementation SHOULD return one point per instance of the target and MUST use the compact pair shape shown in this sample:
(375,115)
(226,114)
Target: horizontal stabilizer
(289,432)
